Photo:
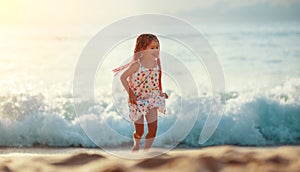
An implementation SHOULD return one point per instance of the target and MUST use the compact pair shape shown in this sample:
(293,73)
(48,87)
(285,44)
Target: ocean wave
(269,117)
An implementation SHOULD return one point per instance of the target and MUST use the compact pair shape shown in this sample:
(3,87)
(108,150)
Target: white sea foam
(250,118)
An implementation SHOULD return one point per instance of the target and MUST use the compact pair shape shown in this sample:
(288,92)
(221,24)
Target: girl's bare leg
(138,133)
(151,118)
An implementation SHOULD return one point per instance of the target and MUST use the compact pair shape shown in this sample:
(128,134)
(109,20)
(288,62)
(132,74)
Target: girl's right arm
(133,68)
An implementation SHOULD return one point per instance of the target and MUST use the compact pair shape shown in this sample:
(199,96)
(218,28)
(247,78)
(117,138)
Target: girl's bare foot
(135,149)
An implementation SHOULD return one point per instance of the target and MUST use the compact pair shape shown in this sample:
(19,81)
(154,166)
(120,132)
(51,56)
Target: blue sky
(106,11)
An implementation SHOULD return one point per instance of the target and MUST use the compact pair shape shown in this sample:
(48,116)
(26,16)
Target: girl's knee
(138,133)
(152,129)
(151,134)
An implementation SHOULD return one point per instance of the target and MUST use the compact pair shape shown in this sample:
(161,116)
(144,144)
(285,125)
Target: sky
(70,12)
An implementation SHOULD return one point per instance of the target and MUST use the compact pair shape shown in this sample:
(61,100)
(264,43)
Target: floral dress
(145,85)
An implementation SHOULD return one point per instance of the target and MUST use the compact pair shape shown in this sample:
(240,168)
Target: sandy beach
(210,159)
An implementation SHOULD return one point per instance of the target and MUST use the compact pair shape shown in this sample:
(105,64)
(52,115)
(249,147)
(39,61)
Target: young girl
(142,81)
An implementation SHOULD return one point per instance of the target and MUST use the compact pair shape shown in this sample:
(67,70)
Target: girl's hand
(164,95)
(132,97)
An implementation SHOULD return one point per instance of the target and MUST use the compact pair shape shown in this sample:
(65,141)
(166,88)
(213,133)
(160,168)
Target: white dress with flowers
(145,85)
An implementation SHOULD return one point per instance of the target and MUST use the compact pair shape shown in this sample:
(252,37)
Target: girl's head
(143,41)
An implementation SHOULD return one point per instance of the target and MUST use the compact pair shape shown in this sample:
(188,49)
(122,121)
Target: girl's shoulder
(135,65)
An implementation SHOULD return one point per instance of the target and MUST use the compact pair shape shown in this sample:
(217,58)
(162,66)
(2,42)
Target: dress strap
(139,61)
(157,63)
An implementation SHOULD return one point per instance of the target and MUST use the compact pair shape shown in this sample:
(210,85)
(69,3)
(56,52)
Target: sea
(260,103)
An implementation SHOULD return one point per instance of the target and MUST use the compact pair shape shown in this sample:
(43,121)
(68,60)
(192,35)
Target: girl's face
(153,48)
(153,45)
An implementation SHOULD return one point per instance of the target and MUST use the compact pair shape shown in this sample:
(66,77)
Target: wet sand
(209,159)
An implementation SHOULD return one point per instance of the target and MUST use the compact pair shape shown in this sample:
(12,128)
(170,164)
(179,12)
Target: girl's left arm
(160,85)
(159,80)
